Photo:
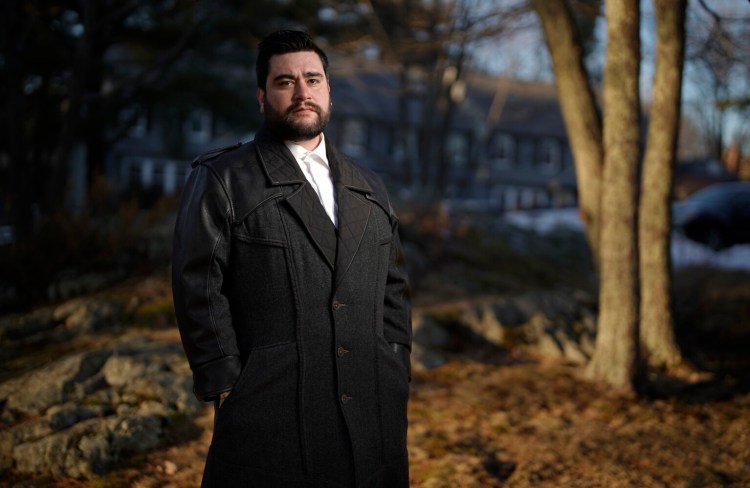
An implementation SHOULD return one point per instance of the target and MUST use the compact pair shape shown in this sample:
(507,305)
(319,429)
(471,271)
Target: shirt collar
(300,153)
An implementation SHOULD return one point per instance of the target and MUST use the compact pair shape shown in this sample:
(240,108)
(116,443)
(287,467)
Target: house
(154,158)
(505,146)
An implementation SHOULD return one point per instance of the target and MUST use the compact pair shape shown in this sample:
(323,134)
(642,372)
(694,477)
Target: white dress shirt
(314,165)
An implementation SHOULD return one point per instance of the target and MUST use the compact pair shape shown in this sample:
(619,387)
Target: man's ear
(261,95)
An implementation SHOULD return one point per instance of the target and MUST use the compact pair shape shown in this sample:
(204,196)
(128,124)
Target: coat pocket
(257,425)
(394,396)
(260,292)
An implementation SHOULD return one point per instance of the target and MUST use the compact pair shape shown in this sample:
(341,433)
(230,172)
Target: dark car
(717,216)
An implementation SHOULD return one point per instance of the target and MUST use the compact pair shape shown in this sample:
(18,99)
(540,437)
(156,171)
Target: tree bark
(579,109)
(616,351)
(656,322)
(18,189)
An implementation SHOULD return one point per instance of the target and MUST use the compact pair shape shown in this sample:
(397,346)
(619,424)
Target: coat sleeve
(397,307)
(199,261)
(397,301)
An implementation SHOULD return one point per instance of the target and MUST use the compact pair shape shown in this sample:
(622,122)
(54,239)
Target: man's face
(297,98)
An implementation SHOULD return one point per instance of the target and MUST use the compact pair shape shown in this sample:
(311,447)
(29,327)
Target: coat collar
(278,164)
(352,193)
(276,160)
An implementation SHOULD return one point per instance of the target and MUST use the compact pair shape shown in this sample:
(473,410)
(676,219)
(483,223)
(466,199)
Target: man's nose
(301,91)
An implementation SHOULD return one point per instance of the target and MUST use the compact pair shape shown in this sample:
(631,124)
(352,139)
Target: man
(292,297)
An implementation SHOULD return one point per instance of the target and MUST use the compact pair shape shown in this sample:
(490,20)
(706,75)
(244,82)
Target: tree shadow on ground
(712,316)
(465,344)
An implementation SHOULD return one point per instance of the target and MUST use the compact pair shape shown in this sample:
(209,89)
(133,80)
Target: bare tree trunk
(70,132)
(579,110)
(657,326)
(403,127)
(18,189)
(616,352)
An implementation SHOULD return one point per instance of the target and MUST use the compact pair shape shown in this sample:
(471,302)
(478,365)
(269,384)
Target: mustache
(308,105)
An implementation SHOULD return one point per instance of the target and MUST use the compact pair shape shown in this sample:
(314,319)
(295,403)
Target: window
(158,178)
(511,197)
(133,178)
(542,199)
(197,127)
(526,152)
(170,177)
(354,137)
(528,198)
(138,120)
(502,151)
(550,155)
(457,150)
(147,173)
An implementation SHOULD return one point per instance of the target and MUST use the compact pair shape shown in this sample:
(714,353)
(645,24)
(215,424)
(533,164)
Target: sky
(525,56)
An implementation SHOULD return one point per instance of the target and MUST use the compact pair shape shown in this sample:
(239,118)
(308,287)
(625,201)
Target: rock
(80,451)
(87,411)
(170,468)
(556,323)
(135,433)
(119,370)
(508,313)
(24,328)
(60,322)
(7,442)
(53,384)
(61,417)
(483,321)
(93,315)
(73,282)
(61,312)
(423,358)
(428,332)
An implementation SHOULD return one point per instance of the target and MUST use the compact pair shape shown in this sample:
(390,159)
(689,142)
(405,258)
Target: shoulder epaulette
(207,156)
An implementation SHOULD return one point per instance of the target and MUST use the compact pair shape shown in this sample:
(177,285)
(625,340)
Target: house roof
(516,107)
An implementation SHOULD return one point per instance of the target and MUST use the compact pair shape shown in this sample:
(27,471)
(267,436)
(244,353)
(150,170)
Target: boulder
(80,414)
(556,323)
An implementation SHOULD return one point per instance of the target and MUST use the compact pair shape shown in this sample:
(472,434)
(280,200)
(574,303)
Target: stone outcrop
(115,394)
(127,380)
(84,412)
(559,323)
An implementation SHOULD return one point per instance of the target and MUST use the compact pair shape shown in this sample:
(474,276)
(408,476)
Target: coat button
(345,398)
(341,351)
(337,304)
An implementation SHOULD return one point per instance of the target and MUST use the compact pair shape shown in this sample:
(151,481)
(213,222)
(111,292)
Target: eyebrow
(306,74)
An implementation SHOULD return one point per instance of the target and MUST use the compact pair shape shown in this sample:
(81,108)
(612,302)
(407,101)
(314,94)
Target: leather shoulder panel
(240,172)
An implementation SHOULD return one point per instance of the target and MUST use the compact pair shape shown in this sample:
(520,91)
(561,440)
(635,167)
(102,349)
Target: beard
(287,127)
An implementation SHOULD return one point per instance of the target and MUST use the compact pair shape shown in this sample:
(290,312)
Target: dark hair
(284,42)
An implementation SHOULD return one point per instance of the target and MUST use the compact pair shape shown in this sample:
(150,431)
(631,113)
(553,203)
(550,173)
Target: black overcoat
(307,325)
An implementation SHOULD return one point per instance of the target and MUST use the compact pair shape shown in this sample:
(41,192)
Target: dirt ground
(530,423)
(511,420)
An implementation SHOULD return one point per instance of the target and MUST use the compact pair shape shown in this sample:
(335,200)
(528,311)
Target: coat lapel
(282,169)
(353,209)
